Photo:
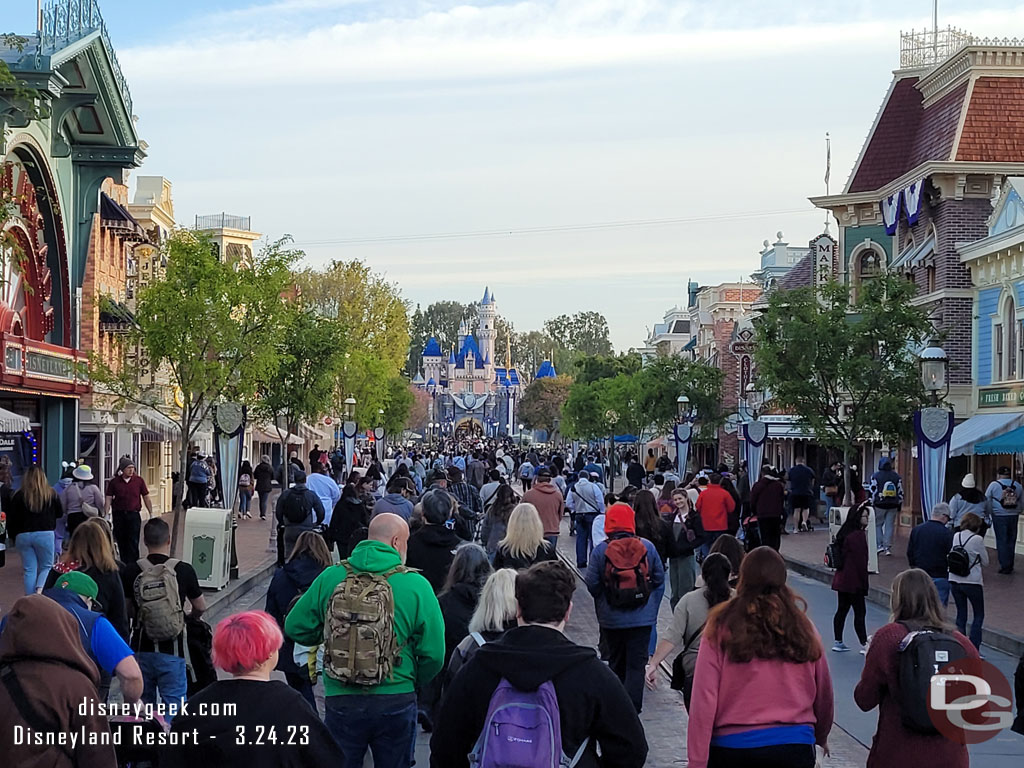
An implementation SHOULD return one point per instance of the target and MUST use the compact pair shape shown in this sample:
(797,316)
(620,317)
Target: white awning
(11,422)
(982,426)
(160,424)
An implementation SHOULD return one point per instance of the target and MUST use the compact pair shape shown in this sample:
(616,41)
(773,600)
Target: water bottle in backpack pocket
(522,730)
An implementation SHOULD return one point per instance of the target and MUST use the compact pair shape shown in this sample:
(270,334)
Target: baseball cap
(79,583)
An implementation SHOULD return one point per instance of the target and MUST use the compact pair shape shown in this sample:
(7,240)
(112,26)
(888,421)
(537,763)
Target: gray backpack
(158,602)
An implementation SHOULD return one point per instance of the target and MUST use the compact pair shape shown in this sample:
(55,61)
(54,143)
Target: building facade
(55,164)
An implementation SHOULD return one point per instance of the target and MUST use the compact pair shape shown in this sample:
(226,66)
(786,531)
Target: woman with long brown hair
(92,552)
(31,521)
(915,607)
(308,558)
(762,693)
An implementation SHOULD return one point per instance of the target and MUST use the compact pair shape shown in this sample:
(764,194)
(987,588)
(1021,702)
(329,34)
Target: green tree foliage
(374,315)
(215,327)
(642,400)
(301,385)
(542,401)
(399,405)
(846,368)
(583,332)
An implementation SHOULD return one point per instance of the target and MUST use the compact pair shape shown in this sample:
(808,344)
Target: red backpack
(627,576)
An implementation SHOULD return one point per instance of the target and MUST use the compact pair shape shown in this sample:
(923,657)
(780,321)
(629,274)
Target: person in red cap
(623,572)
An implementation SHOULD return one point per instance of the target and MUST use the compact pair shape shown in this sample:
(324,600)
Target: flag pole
(828,171)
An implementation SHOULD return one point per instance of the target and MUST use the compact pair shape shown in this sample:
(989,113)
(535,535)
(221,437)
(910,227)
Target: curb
(996,638)
(244,584)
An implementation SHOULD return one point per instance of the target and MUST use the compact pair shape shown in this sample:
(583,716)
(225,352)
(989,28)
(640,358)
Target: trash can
(836,518)
(208,545)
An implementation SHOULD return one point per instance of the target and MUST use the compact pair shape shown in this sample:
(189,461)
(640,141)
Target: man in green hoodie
(380,717)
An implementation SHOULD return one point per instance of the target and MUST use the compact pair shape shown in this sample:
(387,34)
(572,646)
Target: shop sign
(12,358)
(7,443)
(49,365)
(998,397)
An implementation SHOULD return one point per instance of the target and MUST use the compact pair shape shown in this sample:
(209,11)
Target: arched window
(1010,324)
(870,264)
(1008,341)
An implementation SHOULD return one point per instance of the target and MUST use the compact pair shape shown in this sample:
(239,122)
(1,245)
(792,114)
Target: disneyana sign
(998,397)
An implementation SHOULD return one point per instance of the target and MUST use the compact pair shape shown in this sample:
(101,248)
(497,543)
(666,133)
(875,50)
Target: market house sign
(998,397)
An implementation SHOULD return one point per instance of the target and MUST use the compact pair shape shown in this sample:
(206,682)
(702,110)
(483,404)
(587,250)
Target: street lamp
(686,417)
(350,407)
(934,364)
(521,437)
(756,399)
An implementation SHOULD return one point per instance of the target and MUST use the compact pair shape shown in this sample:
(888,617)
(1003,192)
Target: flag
(828,159)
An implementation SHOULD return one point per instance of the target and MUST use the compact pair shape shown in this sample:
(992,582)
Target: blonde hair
(35,490)
(525,532)
(91,547)
(497,606)
(916,600)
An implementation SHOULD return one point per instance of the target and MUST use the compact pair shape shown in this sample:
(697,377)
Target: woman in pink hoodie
(762,693)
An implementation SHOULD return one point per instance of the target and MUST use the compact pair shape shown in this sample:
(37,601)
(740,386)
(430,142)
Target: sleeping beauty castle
(471,393)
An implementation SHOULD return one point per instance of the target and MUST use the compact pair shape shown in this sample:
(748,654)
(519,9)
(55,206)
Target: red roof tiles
(885,156)
(994,126)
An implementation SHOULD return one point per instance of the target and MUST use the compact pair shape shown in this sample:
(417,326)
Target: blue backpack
(522,730)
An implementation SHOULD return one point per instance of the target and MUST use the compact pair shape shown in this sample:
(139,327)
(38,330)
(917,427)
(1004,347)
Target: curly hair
(766,619)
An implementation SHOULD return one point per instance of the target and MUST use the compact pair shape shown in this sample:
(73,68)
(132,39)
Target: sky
(688,131)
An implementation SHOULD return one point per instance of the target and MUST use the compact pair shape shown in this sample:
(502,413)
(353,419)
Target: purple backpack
(522,730)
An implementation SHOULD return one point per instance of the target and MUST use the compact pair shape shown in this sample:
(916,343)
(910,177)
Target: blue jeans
(710,537)
(163,674)
(943,586)
(552,539)
(656,597)
(961,594)
(386,724)
(1005,529)
(244,501)
(584,534)
(36,548)
(885,519)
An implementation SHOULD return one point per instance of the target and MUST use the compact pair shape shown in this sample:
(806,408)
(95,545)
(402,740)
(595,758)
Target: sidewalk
(251,543)
(1004,619)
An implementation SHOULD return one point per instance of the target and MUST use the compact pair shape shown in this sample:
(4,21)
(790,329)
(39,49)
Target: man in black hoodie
(432,547)
(592,703)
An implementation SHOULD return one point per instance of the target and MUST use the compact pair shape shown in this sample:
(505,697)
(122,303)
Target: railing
(223,221)
(929,47)
(67,21)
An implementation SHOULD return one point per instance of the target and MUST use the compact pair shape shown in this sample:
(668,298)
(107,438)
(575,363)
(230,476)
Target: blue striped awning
(980,428)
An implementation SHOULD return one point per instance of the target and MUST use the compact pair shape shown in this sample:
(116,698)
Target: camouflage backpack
(360,646)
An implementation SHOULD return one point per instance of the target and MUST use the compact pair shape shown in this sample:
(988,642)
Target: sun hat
(82,472)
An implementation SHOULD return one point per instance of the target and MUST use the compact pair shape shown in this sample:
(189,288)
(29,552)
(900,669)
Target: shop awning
(1011,442)
(161,425)
(114,216)
(980,428)
(11,422)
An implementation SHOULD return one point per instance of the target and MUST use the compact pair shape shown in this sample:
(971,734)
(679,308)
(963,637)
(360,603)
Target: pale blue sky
(351,119)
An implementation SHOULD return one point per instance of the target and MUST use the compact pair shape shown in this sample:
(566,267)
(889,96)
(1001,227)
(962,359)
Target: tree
(845,368)
(215,327)
(530,349)
(300,386)
(583,415)
(419,409)
(584,332)
(542,401)
(374,315)
(399,403)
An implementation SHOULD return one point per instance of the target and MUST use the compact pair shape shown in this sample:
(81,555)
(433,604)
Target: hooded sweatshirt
(619,522)
(419,627)
(431,550)
(885,474)
(591,701)
(40,641)
(293,579)
(549,503)
(394,503)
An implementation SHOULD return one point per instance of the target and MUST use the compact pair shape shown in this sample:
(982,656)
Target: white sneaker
(839,647)
(864,650)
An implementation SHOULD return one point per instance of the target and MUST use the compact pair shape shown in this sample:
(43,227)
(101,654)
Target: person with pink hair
(249,720)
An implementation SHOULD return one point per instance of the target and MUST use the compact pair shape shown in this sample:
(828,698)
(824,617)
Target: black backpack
(297,507)
(958,560)
(921,654)
(834,556)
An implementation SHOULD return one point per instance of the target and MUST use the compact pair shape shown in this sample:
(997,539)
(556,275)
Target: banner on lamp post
(683,433)
(349,430)
(378,438)
(755,435)
(933,428)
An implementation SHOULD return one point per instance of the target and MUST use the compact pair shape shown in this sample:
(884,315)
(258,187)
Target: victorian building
(58,163)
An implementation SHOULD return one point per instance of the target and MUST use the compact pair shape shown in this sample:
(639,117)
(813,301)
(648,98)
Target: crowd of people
(430,597)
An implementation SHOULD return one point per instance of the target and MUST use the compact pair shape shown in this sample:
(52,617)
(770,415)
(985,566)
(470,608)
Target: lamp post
(520,437)
(754,431)
(612,417)
(430,434)
(933,428)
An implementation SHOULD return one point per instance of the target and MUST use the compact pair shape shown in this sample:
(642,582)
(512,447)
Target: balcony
(223,221)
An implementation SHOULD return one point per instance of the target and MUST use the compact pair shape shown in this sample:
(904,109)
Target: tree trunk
(848,495)
(178,517)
